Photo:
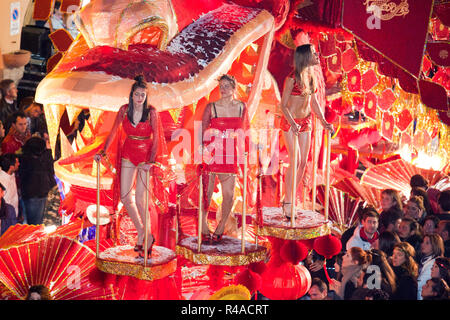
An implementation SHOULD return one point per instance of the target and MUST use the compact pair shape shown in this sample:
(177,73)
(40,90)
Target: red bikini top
(297,90)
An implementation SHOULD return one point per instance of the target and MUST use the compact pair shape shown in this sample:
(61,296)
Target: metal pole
(314,175)
(327,182)
(146,219)
(244,205)
(200,214)
(294,184)
(97,223)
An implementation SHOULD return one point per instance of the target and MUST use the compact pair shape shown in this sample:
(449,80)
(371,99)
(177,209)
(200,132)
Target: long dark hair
(139,83)
(302,60)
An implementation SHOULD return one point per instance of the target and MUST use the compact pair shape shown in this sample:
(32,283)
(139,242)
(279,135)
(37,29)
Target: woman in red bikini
(138,154)
(297,102)
(223,119)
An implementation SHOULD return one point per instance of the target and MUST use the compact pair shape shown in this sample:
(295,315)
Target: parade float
(387,100)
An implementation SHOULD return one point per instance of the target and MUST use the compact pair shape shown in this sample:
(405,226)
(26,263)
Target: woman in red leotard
(297,102)
(222,120)
(138,153)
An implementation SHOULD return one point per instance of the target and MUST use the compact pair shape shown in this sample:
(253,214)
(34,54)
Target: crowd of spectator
(26,162)
(400,252)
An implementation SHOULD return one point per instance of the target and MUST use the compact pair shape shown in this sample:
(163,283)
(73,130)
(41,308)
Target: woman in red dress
(138,153)
(225,120)
(297,102)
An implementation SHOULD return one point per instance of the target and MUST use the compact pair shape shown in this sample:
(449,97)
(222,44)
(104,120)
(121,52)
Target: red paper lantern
(335,62)
(369,80)
(285,282)
(293,252)
(249,279)
(370,105)
(387,99)
(404,119)
(327,246)
(327,46)
(354,80)
(387,124)
(349,60)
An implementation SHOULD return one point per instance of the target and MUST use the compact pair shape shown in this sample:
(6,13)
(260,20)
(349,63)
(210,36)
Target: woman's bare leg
(209,193)
(227,182)
(304,142)
(289,177)
(127,177)
(141,190)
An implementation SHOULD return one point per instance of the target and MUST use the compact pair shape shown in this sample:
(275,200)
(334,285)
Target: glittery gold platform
(308,225)
(123,260)
(226,253)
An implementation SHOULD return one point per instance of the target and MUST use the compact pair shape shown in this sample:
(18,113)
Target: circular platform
(123,260)
(308,225)
(226,253)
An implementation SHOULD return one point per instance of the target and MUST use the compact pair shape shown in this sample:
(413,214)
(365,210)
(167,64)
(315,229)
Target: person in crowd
(314,264)
(298,102)
(37,178)
(386,242)
(2,134)
(419,192)
(444,205)
(444,232)
(411,232)
(441,269)
(318,290)
(370,294)
(224,115)
(431,248)
(380,275)
(418,181)
(367,234)
(8,103)
(17,135)
(39,292)
(353,263)
(435,289)
(406,272)
(390,198)
(7,213)
(390,220)
(414,209)
(430,224)
(350,231)
(9,164)
(36,120)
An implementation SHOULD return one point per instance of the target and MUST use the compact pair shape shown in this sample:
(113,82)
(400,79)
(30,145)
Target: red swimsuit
(221,162)
(306,122)
(138,144)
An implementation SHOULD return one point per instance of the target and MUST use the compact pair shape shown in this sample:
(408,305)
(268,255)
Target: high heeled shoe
(149,251)
(138,248)
(283,204)
(206,238)
(216,238)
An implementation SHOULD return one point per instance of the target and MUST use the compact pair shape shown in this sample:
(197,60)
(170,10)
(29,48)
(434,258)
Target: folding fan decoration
(63,265)
(396,175)
(353,187)
(342,207)
(442,185)
(23,233)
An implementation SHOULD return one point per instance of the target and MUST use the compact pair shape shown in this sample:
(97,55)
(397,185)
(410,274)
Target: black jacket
(36,175)
(406,285)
